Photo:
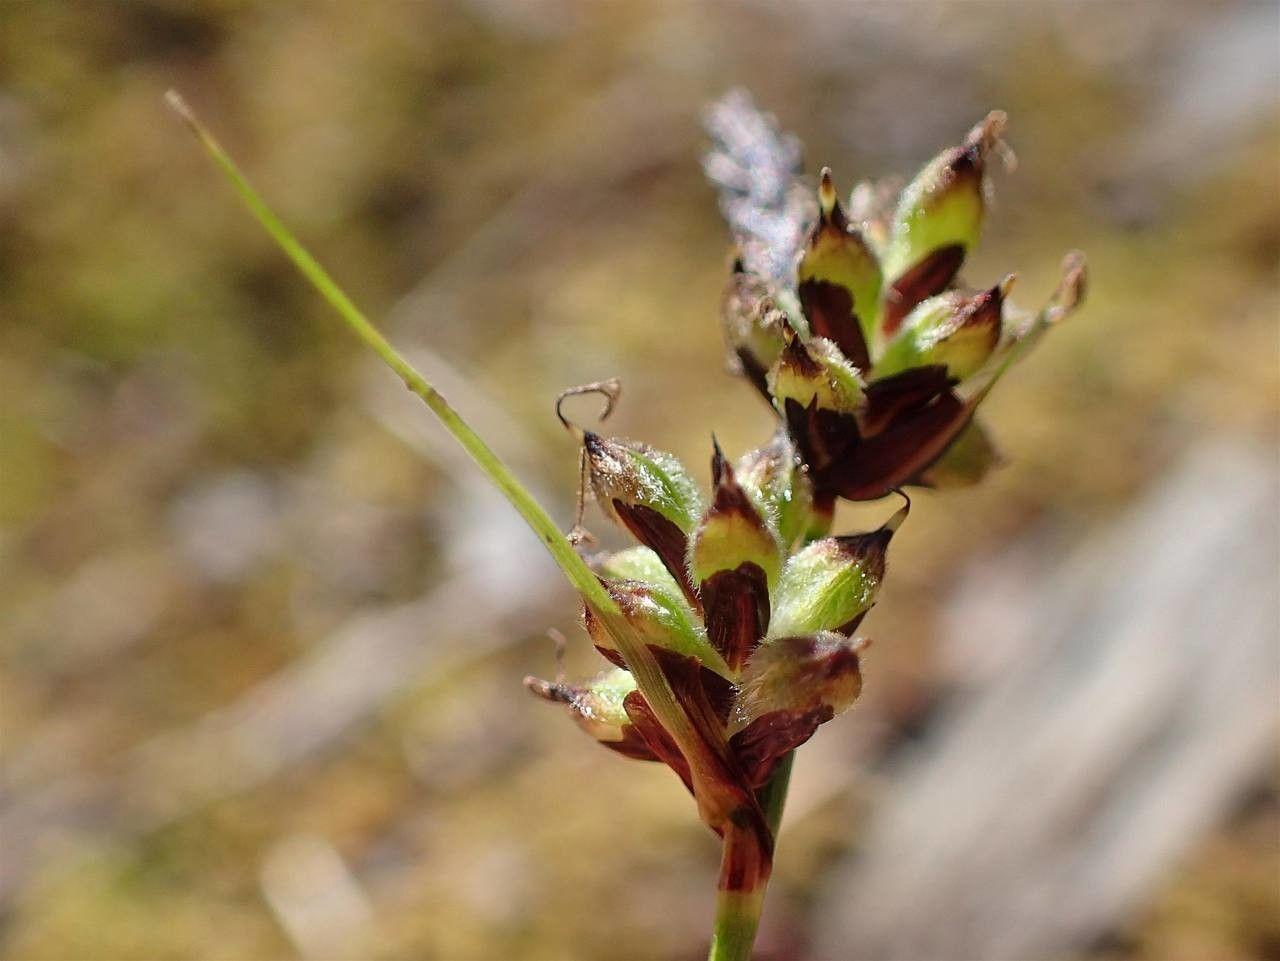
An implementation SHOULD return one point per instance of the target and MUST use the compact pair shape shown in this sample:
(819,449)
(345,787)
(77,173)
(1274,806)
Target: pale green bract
(936,210)
(665,486)
(640,564)
(780,491)
(821,589)
(602,699)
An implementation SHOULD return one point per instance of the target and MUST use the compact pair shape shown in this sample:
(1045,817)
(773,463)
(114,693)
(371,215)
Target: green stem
(737,917)
(773,796)
(575,569)
(639,658)
(738,912)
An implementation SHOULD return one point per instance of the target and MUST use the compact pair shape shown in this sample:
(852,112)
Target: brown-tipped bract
(780,487)
(816,373)
(831,584)
(598,707)
(648,492)
(735,562)
(938,220)
(792,685)
(839,280)
(955,330)
(660,619)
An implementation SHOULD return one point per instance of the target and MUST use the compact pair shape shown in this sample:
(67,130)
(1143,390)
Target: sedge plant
(730,628)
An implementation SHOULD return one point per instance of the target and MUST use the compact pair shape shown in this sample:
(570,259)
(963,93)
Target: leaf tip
(175,102)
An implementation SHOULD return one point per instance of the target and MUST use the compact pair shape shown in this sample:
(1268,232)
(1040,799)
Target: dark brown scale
(878,464)
(821,436)
(829,309)
(662,537)
(632,744)
(736,611)
(760,745)
(909,390)
(930,276)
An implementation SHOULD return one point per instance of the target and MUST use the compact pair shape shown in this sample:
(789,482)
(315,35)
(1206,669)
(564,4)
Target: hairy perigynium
(730,629)
(747,609)
(874,357)
(873,353)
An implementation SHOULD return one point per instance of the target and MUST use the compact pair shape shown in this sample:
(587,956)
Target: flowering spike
(839,280)
(724,725)
(938,220)
(957,331)
(735,561)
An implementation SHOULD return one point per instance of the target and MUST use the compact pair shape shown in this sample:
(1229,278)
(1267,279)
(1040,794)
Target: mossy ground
(536,165)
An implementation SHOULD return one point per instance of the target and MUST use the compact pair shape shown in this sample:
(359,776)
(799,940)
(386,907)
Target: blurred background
(264,630)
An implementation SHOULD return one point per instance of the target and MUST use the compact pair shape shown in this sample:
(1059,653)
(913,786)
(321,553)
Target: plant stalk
(738,912)
(737,917)
(713,800)
(773,796)
(575,569)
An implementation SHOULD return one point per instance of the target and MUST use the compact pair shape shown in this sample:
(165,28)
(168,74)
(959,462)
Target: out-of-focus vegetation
(204,489)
